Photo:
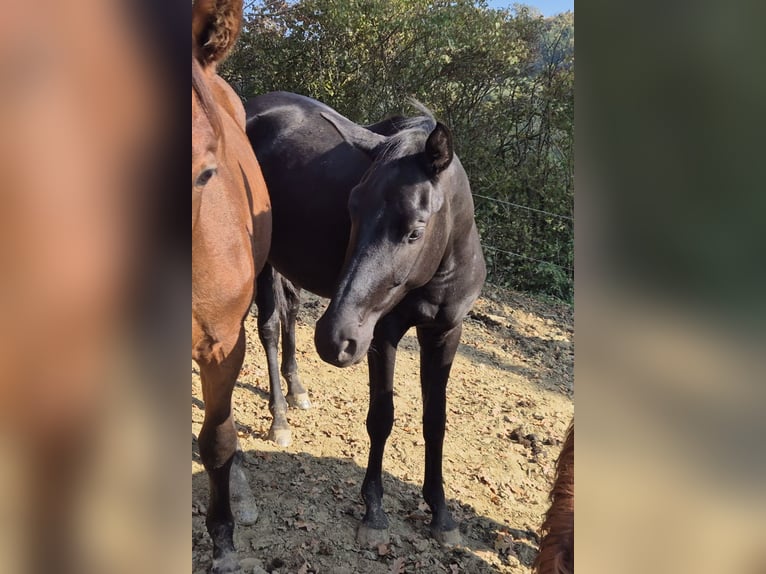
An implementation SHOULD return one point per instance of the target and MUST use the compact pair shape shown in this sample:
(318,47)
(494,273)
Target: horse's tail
(284,293)
(269,281)
(556,554)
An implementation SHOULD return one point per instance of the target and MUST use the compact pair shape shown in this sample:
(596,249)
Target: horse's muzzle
(340,345)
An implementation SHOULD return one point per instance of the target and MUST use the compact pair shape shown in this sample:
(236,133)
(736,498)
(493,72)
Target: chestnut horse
(383,225)
(556,554)
(79,113)
(231,231)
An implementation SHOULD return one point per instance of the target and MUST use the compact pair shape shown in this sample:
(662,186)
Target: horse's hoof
(282,437)
(242,500)
(447,537)
(251,566)
(300,401)
(227,564)
(371,537)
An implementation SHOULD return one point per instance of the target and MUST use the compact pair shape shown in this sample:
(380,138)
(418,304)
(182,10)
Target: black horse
(381,222)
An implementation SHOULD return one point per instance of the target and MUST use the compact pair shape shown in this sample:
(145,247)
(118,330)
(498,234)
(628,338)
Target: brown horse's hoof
(371,537)
(447,538)
(282,437)
(300,401)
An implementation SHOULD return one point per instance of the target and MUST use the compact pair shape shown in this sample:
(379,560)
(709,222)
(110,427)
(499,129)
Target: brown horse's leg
(556,555)
(437,351)
(268,332)
(380,419)
(218,442)
(57,469)
(297,396)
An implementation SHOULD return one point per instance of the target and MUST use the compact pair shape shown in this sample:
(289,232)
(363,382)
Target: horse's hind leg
(297,396)
(268,332)
(220,364)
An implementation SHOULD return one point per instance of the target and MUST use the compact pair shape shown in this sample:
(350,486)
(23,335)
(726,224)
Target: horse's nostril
(347,350)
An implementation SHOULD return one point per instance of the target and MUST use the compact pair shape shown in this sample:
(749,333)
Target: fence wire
(504,202)
(521,255)
(526,257)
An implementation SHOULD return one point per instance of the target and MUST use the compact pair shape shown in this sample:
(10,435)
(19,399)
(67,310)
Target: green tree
(503,80)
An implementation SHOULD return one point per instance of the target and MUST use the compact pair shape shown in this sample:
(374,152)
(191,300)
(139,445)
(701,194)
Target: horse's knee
(219,348)
(433,431)
(380,421)
(217,444)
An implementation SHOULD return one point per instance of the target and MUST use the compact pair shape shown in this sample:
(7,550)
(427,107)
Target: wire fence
(530,209)
(522,256)
(504,202)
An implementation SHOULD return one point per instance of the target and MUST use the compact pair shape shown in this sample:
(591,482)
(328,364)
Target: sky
(546,7)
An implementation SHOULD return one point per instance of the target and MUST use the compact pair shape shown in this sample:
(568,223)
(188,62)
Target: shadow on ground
(309,508)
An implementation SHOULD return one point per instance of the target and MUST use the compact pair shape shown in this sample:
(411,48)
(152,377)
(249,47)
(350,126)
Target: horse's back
(292,107)
(309,171)
(291,127)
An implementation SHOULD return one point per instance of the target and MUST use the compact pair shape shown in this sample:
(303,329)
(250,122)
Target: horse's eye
(205,176)
(415,234)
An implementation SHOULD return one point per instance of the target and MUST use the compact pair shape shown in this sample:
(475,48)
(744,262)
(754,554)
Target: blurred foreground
(94,292)
(670,310)
(85,435)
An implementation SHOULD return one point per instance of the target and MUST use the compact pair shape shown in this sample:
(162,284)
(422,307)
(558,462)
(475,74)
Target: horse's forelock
(205,97)
(411,135)
(409,139)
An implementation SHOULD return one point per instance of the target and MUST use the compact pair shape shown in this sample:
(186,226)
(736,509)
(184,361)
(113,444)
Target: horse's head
(399,231)
(215,27)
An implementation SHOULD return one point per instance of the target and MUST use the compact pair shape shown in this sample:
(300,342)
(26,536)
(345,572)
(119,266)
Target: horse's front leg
(437,351)
(381,359)
(297,396)
(268,332)
(220,363)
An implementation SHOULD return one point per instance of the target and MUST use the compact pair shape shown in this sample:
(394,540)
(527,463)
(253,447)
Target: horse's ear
(215,27)
(358,136)
(439,149)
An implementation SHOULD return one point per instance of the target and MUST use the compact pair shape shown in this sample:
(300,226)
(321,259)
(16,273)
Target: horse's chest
(429,306)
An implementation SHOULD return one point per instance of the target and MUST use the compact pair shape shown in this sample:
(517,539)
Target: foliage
(503,80)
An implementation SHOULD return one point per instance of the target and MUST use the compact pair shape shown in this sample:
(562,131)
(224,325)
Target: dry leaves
(397,566)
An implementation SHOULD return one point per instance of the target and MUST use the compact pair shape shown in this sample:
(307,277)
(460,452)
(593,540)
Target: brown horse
(231,232)
(556,554)
(77,105)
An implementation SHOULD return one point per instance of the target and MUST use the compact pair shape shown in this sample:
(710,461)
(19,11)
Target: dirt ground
(510,400)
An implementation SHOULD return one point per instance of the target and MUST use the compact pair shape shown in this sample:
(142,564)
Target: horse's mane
(410,134)
(205,96)
(556,554)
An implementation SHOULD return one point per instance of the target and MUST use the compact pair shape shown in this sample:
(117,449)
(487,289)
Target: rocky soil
(510,400)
